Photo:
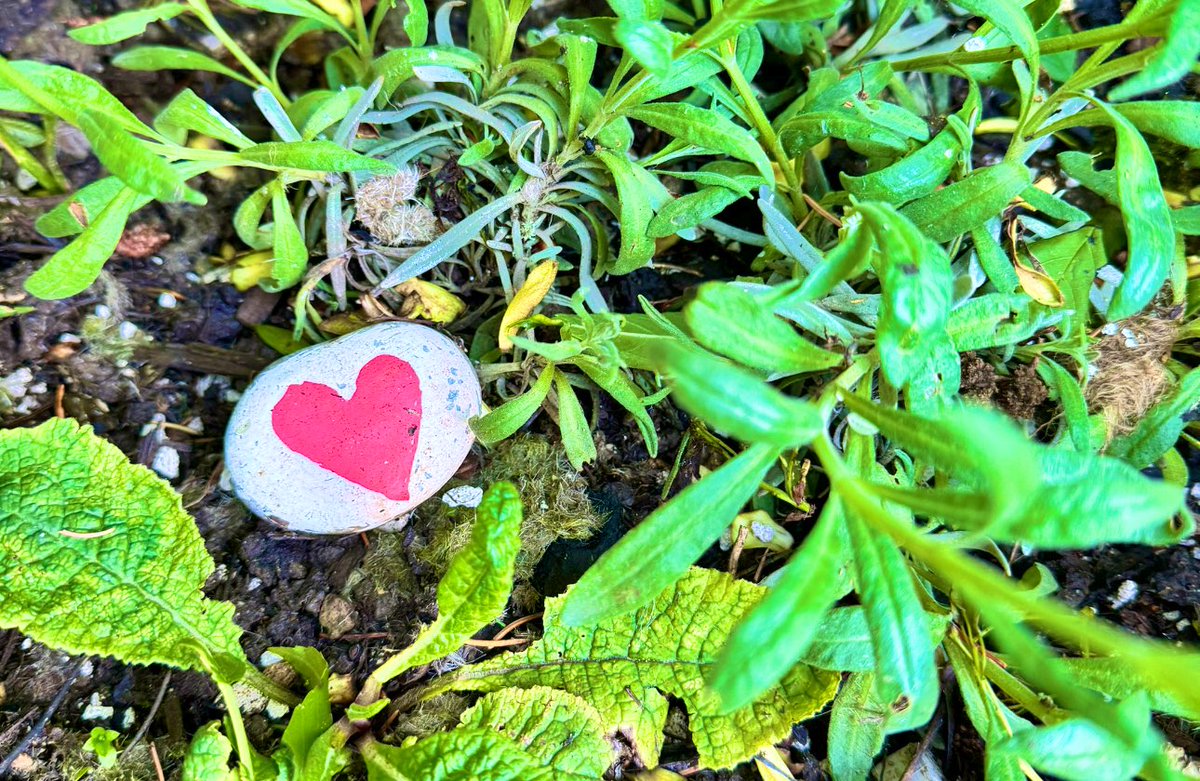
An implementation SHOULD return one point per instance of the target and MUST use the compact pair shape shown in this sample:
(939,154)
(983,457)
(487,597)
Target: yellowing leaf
(536,286)
(623,665)
(252,268)
(1039,286)
(428,301)
(99,557)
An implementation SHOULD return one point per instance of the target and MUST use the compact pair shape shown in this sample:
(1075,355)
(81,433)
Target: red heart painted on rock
(369,439)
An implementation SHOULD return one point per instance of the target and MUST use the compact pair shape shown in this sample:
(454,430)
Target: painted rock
(351,434)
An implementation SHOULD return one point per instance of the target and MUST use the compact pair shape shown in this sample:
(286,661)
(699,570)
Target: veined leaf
(526,299)
(731,322)
(126,25)
(309,733)
(476,585)
(79,521)
(660,549)
(463,754)
(775,634)
(67,93)
(617,665)
(706,129)
(1147,220)
(562,731)
(1174,120)
(579,57)
(856,728)
(75,267)
(208,754)
(573,423)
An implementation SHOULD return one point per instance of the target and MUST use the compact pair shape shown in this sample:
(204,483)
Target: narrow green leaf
(731,322)
(64,93)
(737,402)
(706,129)
(1147,220)
(291,253)
(132,161)
(968,203)
(1012,19)
(1070,396)
(659,550)
(293,8)
(75,267)
(688,211)
(159,58)
(579,57)
(648,42)
(777,632)
(573,423)
(187,112)
(126,25)
(416,22)
(614,382)
(1175,58)
(905,672)
(504,421)
(1159,429)
(856,728)
(637,247)
(322,156)
(249,214)
(1174,120)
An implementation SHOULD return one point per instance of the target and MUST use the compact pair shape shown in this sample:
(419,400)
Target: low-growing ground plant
(956,198)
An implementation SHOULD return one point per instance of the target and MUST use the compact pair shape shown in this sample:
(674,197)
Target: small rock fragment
(94,711)
(337,616)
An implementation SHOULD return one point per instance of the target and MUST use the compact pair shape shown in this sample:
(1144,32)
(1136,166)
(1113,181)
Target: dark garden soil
(154,357)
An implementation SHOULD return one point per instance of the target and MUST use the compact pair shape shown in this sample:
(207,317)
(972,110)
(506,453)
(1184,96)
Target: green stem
(201,9)
(1017,691)
(766,134)
(364,37)
(265,685)
(25,159)
(245,753)
(1064,43)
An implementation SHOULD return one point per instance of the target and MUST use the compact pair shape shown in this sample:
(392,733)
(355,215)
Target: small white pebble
(463,496)
(167,301)
(86,669)
(268,658)
(166,463)
(254,585)
(231,396)
(1126,593)
(1194,491)
(1172,615)
(102,311)
(1110,329)
(26,644)
(1183,625)
(69,339)
(225,483)
(127,330)
(95,711)
(276,710)
(128,717)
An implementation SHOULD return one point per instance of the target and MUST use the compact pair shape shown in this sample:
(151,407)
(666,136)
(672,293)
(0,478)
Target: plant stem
(265,685)
(201,9)
(1063,43)
(766,134)
(245,753)
(1017,691)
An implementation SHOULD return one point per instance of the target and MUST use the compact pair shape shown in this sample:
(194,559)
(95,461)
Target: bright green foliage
(475,588)
(102,559)
(208,756)
(560,730)
(463,754)
(623,665)
(102,742)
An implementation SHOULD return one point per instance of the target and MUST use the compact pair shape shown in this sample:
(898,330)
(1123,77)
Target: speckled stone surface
(351,434)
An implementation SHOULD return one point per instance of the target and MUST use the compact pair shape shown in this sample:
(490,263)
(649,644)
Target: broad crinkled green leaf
(667,646)
(100,558)
(464,754)
(561,730)
(207,757)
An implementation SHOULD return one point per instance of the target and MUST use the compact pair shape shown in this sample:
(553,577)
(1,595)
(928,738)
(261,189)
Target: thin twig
(162,692)
(40,726)
(59,393)
(497,643)
(736,554)
(519,622)
(158,769)
(922,747)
